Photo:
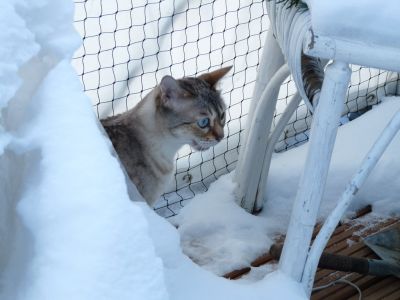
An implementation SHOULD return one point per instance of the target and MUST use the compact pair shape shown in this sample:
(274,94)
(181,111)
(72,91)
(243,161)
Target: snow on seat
(359,32)
(369,21)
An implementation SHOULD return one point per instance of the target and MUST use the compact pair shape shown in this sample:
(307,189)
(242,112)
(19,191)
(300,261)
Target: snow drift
(68,229)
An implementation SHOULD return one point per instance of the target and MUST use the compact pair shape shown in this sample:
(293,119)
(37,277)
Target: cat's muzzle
(203,145)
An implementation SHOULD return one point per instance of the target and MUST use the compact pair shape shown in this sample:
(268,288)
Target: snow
(11,55)
(230,238)
(369,21)
(221,244)
(351,146)
(81,233)
(186,280)
(68,227)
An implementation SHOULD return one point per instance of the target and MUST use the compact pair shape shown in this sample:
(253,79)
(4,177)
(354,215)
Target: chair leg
(272,60)
(272,140)
(250,172)
(358,179)
(312,182)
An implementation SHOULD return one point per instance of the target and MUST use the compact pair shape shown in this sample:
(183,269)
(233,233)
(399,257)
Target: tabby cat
(176,112)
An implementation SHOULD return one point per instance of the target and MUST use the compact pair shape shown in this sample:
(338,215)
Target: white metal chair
(292,37)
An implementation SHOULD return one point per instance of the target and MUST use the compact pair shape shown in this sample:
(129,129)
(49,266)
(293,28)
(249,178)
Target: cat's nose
(219,137)
(218,133)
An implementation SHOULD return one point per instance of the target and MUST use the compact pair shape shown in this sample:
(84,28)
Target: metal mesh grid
(366,87)
(128,46)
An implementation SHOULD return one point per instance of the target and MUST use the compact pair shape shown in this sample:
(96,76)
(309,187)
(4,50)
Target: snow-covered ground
(220,236)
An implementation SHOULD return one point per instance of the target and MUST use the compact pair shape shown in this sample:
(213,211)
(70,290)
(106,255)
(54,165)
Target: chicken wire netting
(129,45)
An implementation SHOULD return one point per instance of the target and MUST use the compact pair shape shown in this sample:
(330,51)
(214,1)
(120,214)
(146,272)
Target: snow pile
(69,228)
(369,21)
(353,141)
(216,234)
(13,34)
(90,242)
(12,55)
(186,280)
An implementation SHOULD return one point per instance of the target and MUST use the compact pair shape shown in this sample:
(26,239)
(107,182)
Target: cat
(176,112)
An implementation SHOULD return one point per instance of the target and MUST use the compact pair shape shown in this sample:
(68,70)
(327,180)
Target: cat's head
(193,108)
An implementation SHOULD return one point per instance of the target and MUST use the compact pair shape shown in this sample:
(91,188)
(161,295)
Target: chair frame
(292,35)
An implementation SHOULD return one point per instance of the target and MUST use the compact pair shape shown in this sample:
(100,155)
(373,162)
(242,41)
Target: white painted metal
(290,26)
(272,140)
(355,52)
(352,188)
(257,141)
(271,60)
(283,22)
(312,182)
(292,29)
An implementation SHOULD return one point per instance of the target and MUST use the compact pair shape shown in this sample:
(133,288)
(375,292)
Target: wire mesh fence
(128,46)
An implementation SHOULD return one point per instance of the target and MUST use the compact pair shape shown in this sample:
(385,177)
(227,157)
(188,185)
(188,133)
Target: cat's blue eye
(202,123)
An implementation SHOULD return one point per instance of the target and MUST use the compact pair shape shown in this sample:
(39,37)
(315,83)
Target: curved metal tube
(357,181)
(267,69)
(273,139)
(251,169)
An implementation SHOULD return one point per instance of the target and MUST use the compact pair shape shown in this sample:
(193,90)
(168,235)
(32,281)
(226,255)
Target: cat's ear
(170,90)
(213,77)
